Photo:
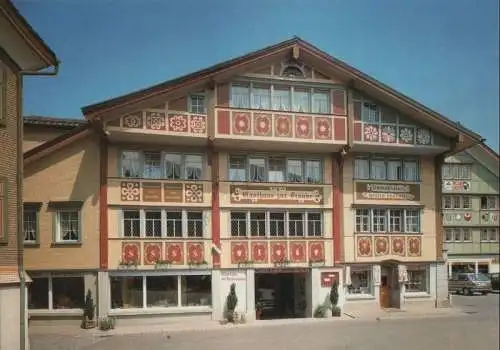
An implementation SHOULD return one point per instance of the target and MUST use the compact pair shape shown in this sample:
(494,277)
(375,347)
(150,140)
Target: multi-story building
(280,171)
(471,210)
(22,52)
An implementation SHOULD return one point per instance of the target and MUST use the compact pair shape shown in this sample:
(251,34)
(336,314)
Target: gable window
(161,165)
(31,223)
(382,220)
(276,224)
(158,223)
(456,171)
(274,169)
(382,168)
(68,225)
(197,104)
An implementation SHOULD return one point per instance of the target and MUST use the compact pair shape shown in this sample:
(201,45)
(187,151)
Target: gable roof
(97,110)
(52,122)
(29,34)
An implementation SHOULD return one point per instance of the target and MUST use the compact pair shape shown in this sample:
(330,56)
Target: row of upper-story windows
(386,168)
(67,225)
(465,202)
(275,223)
(281,98)
(464,234)
(388,220)
(456,171)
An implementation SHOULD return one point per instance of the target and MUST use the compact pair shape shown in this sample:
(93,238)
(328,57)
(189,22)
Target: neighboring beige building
(22,51)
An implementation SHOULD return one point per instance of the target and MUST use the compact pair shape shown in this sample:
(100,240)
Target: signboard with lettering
(247,194)
(387,191)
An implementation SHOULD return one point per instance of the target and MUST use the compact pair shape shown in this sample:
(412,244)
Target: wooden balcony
(280,130)
(147,254)
(159,192)
(152,127)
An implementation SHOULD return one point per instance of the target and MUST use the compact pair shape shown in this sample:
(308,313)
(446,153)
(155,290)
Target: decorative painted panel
(487,217)
(278,252)
(460,217)
(456,186)
(158,191)
(259,252)
(298,252)
(153,252)
(174,253)
(168,122)
(388,246)
(131,253)
(316,251)
(387,191)
(271,194)
(247,124)
(195,253)
(239,252)
(328,278)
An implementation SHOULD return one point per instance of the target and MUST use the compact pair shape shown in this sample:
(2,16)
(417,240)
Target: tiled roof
(62,123)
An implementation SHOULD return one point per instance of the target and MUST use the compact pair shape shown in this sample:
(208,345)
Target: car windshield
(480,277)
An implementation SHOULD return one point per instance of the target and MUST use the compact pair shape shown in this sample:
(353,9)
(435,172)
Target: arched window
(292,72)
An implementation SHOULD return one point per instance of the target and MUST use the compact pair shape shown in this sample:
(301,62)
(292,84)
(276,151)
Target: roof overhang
(21,43)
(487,157)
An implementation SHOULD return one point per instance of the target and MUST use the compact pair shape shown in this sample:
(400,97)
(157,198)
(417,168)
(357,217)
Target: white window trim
(386,160)
(57,222)
(159,309)
(205,215)
(266,158)
(190,103)
(421,294)
(268,223)
(449,167)
(37,218)
(362,296)
(163,166)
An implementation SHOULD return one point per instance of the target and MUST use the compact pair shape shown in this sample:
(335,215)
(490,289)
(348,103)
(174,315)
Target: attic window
(292,72)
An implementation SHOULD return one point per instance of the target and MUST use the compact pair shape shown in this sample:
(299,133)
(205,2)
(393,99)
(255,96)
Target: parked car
(469,283)
(495,281)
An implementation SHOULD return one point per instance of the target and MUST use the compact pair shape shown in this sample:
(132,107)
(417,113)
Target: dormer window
(292,71)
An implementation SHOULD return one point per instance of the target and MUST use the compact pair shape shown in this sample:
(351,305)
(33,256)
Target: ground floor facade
(484,263)
(132,295)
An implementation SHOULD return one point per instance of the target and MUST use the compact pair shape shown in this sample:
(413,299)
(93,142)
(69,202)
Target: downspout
(20,206)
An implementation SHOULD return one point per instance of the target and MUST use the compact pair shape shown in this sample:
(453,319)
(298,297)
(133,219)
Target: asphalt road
(477,329)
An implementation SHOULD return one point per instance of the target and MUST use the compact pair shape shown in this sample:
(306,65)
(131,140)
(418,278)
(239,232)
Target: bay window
(384,220)
(274,169)
(276,224)
(386,168)
(156,223)
(160,291)
(161,165)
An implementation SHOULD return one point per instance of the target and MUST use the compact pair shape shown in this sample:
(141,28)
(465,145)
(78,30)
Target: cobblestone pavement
(477,329)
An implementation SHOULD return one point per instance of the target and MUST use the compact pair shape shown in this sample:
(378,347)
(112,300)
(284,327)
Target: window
(158,223)
(274,169)
(280,97)
(161,165)
(417,280)
(456,171)
(457,234)
(489,202)
(401,220)
(380,168)
(457,202)
(370,112)
(361,280)
(30,222)
(276,224)
(197,104)
(67,228)
(56,292)
(160,291)
(489,235)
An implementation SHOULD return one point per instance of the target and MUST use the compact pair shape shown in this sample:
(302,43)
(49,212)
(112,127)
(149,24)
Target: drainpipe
(20,206)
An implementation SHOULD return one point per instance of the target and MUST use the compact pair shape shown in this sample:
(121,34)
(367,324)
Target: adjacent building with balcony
(280,171)
(470,186)
(22,52)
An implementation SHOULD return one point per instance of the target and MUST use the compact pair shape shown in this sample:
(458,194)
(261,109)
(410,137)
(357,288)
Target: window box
(128,265)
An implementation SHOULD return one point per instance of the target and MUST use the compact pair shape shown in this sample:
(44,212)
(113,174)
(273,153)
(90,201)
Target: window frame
(163,168)
(412,268)
(267,217)
(387,220)
(368,269)
(305,170)
(386,159)
(450,234)
(33,208)
(448,171)
(454,199)
(56,223)
(191,105)
(311,90)
(164,222)
(50,290)
(488,231)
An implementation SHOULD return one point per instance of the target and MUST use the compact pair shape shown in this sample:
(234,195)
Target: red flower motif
(262,124)
(323,129)
(283,126)
(174,253)
(238,253)
(241,123)
(195,252)
(130,252)
(397,246)
(364,246)
(381,244)
(414,246)
(303,127)
(152,253)
(278,252)
(316,251)
(259,252)
(297,252)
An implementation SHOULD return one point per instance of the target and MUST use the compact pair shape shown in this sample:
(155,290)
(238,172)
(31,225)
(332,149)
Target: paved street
(477,329)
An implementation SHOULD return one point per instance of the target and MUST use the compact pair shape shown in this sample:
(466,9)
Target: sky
(442,53)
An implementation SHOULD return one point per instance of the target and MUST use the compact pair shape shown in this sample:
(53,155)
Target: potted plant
(259,307)
(334,299)
(88,312)
(231,302)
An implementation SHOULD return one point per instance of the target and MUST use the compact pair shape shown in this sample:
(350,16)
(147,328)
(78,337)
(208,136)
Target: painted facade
(266,165)
(471,210)
(21,50)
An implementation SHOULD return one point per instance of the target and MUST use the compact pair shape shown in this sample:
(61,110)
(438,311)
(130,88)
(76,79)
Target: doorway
(390,290)
(280,295)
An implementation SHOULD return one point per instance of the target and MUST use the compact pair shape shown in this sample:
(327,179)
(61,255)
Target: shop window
(68,292)
(38,293)
(417,280)
(196,290)
(361,281)
(126,292)
(162,291)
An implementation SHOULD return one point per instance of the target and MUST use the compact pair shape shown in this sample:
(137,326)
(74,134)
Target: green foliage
(321,311)
(106,323)
(89,308)
(231,302)
(334,294)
